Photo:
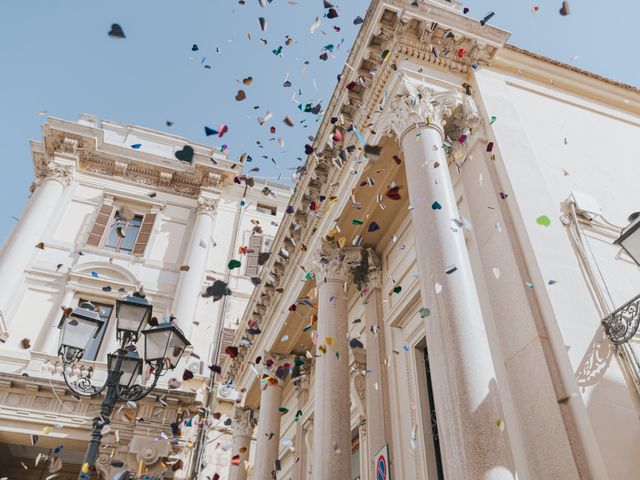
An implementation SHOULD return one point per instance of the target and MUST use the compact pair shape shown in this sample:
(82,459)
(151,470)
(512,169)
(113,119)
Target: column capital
(243,422)
(334,263)
(368,275)
(417,105)
(302,383)
(276,366)
(207,205)
(59,172)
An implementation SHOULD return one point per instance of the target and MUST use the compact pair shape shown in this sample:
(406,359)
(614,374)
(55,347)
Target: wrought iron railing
(623,323)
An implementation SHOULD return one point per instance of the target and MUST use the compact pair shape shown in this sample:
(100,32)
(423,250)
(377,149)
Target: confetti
(543,220)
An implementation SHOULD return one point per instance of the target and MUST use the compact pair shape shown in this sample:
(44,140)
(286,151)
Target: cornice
(94,156)
(567,78)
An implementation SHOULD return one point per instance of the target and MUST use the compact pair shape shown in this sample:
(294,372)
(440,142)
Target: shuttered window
(125,235)
(99,226)
(145,234)
(255,244)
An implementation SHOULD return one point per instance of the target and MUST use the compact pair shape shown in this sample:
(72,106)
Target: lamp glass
(630,238)
(631,244)
(130,366)
(78,329)
(131,370)
(164,343)
(132,314)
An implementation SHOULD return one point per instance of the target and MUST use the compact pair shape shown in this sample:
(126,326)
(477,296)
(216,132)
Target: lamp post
(164,345)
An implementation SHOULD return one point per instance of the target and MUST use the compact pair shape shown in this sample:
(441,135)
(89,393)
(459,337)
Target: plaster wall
(549,144)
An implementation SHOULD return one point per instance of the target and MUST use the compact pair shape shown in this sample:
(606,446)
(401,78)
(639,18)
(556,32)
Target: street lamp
(164,346)
(629,240)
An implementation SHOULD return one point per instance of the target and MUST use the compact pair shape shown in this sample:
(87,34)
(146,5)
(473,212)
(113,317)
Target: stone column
(377,398)
(268,435)
(301,453)
(29,230)
(461,363)
(242,431)
(332,430)
(185,301)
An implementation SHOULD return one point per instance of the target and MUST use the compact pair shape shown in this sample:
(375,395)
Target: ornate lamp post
(164,345)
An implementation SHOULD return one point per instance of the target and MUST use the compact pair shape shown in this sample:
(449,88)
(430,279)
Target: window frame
(266,209)
(112,224)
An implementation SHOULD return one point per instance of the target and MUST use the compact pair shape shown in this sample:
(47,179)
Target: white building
(482,233)
(114,209)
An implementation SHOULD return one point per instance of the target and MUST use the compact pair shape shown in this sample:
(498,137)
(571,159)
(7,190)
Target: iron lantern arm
(83,386)
(138,392)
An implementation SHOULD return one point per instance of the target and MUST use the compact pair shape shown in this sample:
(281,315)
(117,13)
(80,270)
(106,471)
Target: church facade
(439,298)
(115,209)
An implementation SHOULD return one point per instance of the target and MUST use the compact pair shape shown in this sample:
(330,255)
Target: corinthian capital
(207,205)
(58,172)
(333,263)
(418,105)
(243,422)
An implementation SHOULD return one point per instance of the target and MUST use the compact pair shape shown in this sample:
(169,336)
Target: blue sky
(56,56)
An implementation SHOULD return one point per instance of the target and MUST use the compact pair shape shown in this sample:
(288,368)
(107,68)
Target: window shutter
(255,244)
(144,234)
(100,225)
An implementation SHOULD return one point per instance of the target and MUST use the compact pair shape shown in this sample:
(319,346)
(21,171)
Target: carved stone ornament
(61,173)
(207,206)
(333,263)
(243,422)
(418,106)
(368,275)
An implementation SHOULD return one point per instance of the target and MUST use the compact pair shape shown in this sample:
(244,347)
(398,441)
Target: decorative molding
(417,105)
(120,168)
(59,172)
(207,206)
(166,178)
(333,263)
(243,422)
(212,180)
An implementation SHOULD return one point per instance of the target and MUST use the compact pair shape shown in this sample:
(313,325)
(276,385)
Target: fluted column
(275,369)
(243,424)
(301,452)
(190,282)
(28,231)
(461,363)
(332,430)
(377,398)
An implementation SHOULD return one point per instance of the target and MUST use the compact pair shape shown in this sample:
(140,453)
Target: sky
(57,57)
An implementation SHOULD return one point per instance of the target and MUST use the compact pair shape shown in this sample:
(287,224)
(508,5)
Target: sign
(381,462)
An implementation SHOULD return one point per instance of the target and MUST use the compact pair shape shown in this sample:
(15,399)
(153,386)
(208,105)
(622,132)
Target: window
(93,347)
(123,233)
(117,232)
(257,245)
(268,209)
